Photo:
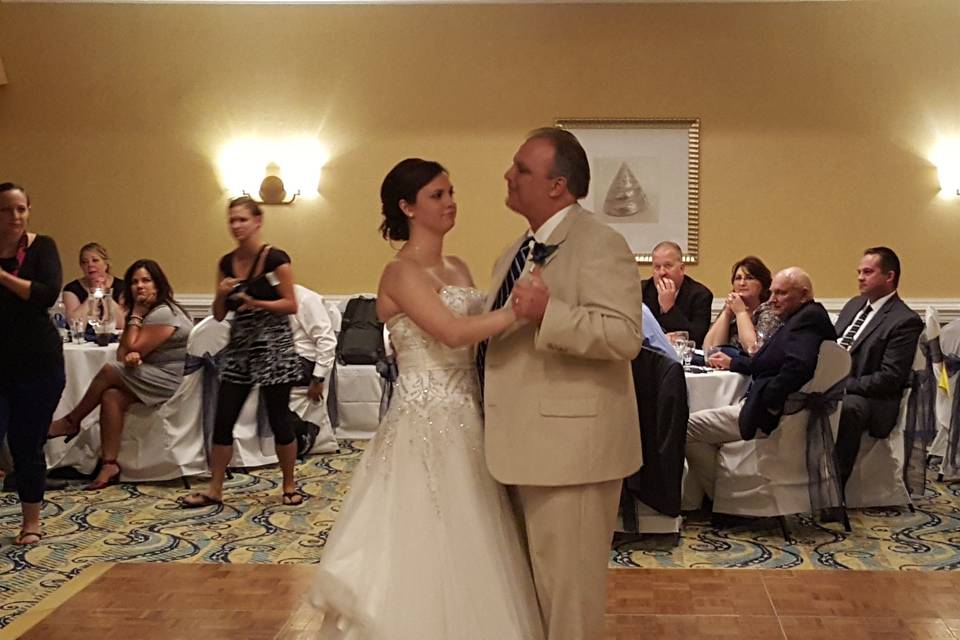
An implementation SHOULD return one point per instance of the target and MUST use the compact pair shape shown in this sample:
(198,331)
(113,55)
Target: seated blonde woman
(747,320)
(95,269)
(149,365)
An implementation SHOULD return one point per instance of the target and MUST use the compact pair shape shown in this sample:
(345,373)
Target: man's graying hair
(570,160)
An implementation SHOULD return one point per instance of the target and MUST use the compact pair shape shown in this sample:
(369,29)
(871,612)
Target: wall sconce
(272,171)
(272,190)
(946,157)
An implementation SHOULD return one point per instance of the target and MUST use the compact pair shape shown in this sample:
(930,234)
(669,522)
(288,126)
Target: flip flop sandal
(198,501)
(21,539)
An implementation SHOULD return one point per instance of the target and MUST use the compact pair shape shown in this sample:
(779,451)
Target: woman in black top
(256,281)
(95,264)
(31,354)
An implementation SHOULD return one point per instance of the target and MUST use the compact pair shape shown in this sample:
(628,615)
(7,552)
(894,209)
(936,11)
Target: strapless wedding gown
(426,546)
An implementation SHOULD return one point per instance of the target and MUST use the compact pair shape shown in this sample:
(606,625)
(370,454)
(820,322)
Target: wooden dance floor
(265,602)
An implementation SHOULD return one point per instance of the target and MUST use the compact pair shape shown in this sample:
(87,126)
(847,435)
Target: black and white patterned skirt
(260,350)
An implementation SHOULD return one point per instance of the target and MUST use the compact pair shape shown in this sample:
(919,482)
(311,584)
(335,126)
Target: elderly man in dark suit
(678,302)
(881,334)
(783,365)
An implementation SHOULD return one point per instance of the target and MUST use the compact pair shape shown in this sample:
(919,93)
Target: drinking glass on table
(77,327)
(689,346)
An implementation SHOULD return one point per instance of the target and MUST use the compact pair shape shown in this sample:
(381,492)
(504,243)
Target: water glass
(679,345)
(77,326)
(709,351)
(689,346)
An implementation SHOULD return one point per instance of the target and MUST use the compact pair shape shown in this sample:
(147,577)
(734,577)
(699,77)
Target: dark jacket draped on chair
(661,391)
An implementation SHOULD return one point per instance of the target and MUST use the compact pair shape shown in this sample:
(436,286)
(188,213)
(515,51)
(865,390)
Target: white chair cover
(359,391)
(166,442)
(877,479)
(209,337)
(950,348)
(769,477)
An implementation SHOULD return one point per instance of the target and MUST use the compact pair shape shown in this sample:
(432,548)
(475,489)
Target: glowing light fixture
(272,171)
(946,156)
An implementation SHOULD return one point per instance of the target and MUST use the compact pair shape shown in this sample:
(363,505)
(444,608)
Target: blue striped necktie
(516,268)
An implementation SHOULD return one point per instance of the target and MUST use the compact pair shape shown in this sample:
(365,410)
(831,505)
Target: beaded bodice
(416,351)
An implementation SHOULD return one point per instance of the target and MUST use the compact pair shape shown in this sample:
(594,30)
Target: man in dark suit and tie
(678,302)
(783,365)
(881,334)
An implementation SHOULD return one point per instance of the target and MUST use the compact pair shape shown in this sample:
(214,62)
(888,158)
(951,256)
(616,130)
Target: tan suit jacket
(559,403)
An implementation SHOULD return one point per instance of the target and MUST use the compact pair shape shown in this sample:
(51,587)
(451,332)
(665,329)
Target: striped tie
(516,268)
(847,340)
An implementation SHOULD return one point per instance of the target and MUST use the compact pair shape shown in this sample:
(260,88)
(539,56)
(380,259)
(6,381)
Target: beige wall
(816,120)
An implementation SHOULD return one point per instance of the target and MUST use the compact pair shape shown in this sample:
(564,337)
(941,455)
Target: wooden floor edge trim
(33,616)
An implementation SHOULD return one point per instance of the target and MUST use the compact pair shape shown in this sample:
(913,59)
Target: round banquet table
(81,364)
(715,389)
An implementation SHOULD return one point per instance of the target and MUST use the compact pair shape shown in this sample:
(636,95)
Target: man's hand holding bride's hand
(530,297)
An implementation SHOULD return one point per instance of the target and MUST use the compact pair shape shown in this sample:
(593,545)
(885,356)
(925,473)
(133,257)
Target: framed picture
(645,179)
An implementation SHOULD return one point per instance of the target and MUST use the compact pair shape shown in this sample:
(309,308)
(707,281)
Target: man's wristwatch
(317,380)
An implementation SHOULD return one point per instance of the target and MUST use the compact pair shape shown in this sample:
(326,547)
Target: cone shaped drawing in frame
(644,179)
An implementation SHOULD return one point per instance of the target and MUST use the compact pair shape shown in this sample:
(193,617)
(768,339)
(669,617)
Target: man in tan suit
(560,409)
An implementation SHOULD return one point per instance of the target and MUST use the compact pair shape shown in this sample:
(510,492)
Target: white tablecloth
(81,364)
(715,389)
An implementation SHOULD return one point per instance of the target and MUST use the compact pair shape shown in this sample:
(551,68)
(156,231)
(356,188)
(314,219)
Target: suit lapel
(847,315)
(559,235)
(875,322)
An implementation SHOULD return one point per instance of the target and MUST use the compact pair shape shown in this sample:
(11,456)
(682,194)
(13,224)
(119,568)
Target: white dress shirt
(543,233)
(313,336)
(875,307)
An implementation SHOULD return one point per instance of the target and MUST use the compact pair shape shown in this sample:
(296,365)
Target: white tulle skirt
(427,544)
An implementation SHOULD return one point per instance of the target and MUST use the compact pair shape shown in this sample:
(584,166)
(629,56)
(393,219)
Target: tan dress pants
(569,530)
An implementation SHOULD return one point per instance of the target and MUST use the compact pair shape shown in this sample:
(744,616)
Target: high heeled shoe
(67,435)
(103,484)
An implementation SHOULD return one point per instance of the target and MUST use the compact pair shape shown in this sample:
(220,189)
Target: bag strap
(258,263)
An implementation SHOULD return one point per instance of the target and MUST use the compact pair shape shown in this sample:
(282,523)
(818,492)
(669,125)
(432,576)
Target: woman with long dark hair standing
(148,370)
(254,280)
(31,353)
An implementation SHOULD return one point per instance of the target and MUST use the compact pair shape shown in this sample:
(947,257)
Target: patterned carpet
(143,523)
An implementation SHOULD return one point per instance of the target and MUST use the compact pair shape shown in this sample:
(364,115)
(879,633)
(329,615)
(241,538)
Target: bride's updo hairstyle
(403,183)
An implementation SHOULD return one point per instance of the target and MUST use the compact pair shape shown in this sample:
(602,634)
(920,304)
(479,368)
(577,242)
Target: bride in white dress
(426,546)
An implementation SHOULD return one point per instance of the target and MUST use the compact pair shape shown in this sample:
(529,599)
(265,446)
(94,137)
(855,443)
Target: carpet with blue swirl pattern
(142,523)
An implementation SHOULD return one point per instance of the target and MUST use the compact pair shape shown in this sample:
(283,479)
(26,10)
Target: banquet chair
(947,403)
(166,442)
(770,477)
(650,498)
(252,445)
(880,472)
(357,392)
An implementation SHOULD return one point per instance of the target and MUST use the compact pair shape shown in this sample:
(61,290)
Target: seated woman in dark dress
(95,266)
(747,320)
(149,365)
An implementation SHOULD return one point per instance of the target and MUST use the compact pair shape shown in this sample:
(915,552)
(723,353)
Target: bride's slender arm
(408,287)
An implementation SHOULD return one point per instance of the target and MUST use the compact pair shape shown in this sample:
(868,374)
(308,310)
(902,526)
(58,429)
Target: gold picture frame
(647,177)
